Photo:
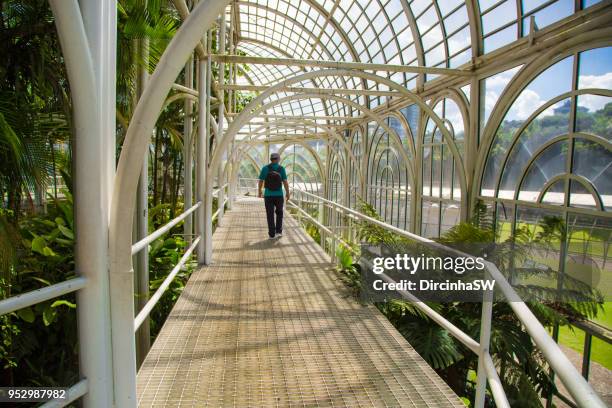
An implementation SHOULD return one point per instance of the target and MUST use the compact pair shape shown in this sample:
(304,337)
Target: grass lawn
(601,352)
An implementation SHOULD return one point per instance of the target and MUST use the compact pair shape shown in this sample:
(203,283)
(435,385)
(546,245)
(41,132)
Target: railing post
(202,159)
(333,226)
(188,153)
(586,355)
(221,96)
(208,180)
(231,94)
(485,338)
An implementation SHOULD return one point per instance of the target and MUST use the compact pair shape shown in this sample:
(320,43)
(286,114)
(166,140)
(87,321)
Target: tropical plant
(46,256)
(348,270)
(523,370)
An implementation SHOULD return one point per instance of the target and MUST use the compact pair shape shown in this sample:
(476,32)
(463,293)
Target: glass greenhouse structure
(439,122)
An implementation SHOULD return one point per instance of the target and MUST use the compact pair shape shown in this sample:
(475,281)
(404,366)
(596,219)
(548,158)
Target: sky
(595,72)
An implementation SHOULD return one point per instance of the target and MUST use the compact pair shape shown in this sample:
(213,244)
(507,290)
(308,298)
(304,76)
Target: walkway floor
(269,325)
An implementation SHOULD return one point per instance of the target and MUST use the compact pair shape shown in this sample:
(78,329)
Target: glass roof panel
(433,33)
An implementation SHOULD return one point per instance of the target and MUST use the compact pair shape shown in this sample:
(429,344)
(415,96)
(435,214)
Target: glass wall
(441,186)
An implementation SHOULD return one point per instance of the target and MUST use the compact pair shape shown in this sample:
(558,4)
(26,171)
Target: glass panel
(447,172)
(454,116)
(500,15)
(436,171)
(529,5)
(450,216)
(554,81)
(594,115)
(594,162)
(588,257)
(549,164)
(595,68)
(493,167)
(430,219)
(396,125)
(589,3)
(555,195)
(456,184)
(411,113)
(550,14)
(549,123)
(447,6)
(426,170)
(493,87)
(505,219)
(545,228)
(540,130)
(501,38)
(466,91)
(580,196)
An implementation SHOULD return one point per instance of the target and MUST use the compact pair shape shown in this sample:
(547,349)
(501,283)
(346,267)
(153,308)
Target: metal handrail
(146,310)
(577,386)
(216,213)
(40,295)
(318,224)
(216,190)
(138,246)
(73,393)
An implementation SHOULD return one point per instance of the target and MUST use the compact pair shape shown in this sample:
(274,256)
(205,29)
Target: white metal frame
(577,386)
(106,197)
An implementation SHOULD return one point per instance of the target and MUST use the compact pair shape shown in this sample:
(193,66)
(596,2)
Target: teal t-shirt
(264,173)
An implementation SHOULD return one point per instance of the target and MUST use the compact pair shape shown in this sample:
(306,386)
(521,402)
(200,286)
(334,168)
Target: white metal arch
(253,107)
(375,117)
(332,133)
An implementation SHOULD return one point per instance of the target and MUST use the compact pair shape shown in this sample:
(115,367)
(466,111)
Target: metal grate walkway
(269,325)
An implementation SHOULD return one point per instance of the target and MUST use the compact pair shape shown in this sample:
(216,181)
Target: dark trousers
(274,205)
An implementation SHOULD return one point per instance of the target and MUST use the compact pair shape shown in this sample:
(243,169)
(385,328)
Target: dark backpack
(274,180)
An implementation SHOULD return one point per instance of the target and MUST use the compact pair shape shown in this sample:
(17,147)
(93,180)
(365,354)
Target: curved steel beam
(332,132)
(251,110)
(310,150)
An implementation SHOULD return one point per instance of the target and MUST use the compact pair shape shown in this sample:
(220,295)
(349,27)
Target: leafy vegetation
(522,369)
(36,211)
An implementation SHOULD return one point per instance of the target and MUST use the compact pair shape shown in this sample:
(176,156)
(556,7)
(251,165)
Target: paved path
(269,325)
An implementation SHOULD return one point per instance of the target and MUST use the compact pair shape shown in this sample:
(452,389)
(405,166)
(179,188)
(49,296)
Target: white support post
(94,177)
(485,338)
(87,32)
(221,96)
(188,153)
(202,159)
(141,267)
(231,95)
(208,180)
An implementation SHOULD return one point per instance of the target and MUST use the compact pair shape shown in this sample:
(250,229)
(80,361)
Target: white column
(202,159)
(231,95)
(221,96)
(87,32)
(95,185)
(208,180)
(188,153)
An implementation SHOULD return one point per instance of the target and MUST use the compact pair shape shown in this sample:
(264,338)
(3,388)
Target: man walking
(274,177)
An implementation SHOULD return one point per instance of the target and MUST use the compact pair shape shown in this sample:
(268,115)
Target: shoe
(279,235)
(269,237)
